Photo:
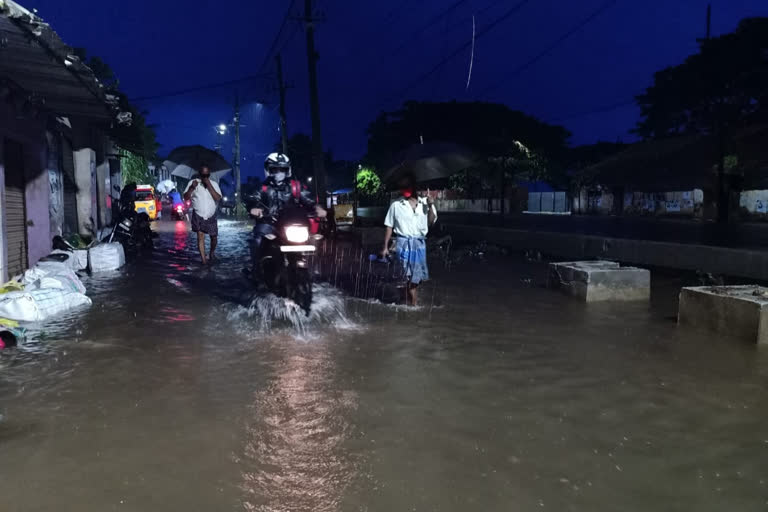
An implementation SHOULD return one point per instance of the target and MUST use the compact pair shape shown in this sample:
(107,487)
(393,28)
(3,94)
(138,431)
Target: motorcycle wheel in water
(285,261)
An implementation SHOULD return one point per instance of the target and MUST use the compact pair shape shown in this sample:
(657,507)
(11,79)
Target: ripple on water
(268,312)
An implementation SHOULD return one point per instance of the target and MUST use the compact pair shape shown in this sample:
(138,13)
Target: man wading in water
(204,195)
(409,219)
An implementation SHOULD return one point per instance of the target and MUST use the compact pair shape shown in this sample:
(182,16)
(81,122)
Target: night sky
(371,52)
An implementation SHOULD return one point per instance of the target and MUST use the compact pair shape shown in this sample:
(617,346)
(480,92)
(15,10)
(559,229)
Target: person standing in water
(409,219)
(204,194)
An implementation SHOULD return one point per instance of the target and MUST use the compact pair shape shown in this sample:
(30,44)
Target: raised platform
(736,311)
(594,281)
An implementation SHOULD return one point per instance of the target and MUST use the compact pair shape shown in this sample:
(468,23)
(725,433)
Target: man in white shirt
(409,219)
(204,195)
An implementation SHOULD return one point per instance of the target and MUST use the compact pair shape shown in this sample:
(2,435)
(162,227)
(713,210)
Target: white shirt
(405,221)
(202,201)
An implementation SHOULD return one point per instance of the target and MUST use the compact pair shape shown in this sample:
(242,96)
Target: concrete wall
(37,197)
(103,184)
(471,205)
(548,202)
(3,242)
(717,260)
(754,204)
(56,186)
(85,179)
(687,203)
(595,203)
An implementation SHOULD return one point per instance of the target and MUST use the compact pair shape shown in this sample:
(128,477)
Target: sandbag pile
(49,288)
(106,257)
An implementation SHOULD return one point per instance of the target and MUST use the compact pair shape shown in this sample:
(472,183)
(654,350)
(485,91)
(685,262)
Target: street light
(221,129)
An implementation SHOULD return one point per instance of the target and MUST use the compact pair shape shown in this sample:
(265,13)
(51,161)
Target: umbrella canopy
(427,162)
(186,161)
(187,172)
(165,186)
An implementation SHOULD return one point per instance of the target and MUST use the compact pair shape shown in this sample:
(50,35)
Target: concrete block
(737,311)
(593,281)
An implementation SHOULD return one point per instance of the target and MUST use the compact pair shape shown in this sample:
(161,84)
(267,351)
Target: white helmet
(277,162)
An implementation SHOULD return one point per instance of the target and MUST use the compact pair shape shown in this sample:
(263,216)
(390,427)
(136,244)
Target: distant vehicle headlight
(297,234)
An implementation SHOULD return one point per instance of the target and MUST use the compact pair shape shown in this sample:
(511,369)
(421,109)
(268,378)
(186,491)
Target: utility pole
(237,149)
(283,120)
(722,193)
(318,158)
(709,20)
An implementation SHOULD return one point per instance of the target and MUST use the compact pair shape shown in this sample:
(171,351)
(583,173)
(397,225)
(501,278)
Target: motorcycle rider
(277,191)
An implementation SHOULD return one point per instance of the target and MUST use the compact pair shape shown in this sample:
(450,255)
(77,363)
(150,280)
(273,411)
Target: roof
(33,58)
(685,162)
(675,163)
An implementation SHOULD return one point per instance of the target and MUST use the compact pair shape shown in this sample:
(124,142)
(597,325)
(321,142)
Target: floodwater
(171,393)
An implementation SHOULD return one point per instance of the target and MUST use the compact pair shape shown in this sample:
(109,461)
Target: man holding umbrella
(409,218)
(204,194)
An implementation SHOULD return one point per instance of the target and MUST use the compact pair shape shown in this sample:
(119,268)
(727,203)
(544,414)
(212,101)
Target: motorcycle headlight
(297,234)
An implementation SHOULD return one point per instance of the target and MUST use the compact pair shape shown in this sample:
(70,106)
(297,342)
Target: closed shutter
(15,208)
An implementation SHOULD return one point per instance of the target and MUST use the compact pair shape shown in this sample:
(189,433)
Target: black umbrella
(186,161)
(427,162)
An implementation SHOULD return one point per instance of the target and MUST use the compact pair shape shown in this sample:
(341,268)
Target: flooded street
(171,393)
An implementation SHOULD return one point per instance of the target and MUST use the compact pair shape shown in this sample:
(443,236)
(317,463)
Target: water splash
(270,312)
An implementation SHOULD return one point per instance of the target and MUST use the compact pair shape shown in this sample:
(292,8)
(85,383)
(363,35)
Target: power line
(460,49)
(182,92)
(485,9)
(560,40)
(268,58)
(442,14)
(288,39)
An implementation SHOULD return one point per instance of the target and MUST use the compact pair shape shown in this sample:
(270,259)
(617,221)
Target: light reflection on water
(294,455)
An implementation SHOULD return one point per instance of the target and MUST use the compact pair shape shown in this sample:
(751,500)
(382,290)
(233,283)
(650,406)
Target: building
(58,167)
(678,177)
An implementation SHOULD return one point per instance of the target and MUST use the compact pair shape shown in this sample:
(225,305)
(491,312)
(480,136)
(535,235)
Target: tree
(713,93)
(368,182)
(135,168)
(489,129)
(136,135)
(510,144)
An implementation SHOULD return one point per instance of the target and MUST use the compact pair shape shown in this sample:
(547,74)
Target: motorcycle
(179,211)
(285,264)
(132,230)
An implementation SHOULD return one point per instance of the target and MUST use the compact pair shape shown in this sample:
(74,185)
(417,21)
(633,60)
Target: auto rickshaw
(147,202)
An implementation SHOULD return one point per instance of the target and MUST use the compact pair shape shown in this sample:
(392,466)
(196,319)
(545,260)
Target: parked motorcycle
(132,230)
(285,256)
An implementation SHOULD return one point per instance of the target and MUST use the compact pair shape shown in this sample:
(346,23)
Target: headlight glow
(297,234)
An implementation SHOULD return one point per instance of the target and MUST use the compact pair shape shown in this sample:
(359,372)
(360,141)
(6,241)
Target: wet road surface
(171,393)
